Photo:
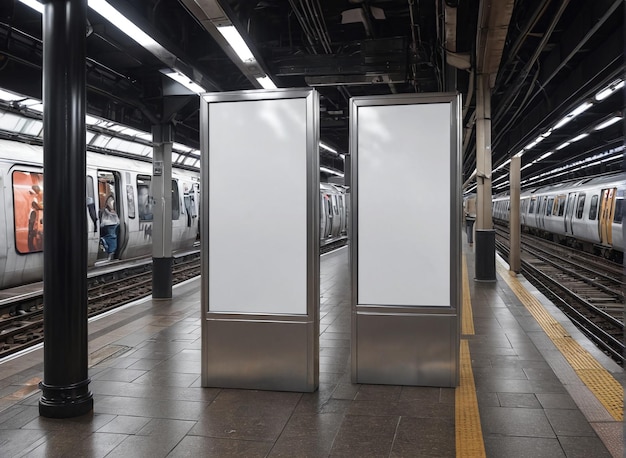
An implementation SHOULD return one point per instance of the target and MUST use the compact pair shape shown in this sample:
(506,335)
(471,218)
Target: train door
(323,215)
(109,191)
(607,208)
(569,213)
(93,233)
(336,217)
(541,211)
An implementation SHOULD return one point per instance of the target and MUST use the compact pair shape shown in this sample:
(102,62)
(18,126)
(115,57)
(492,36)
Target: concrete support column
(162,137)
(483,153)
(65,384)
(514,221)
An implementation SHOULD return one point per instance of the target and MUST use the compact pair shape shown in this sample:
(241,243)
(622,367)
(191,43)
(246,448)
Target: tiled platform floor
(148,399)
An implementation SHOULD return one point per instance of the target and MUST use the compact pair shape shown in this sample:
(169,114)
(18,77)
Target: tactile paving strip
(599,381)
(469,433)
(467,318)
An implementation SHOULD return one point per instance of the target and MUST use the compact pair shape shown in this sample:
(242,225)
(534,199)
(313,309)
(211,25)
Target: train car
(127,182)
(586,213)
(333,212)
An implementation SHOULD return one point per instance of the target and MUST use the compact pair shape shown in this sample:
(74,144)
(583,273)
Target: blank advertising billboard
(404,165)
(257,169)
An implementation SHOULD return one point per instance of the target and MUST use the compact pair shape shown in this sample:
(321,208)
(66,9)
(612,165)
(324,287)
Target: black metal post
(65,385)
(162,137)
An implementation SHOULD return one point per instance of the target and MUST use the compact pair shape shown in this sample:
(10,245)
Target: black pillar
(162,138)
(65,385)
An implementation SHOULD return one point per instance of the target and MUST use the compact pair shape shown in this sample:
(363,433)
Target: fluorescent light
(578,137)
(534,143)
(502,165)
(331,171)
(235,41)
(580,109)
(608,122)
(328,148)
(34,5)
(527,165)
(614,86)
(563,145)
(519,153)
(546,134)
(562,122)
(572,114)
(266,82)
(184,80)
(121,22)
(541,158)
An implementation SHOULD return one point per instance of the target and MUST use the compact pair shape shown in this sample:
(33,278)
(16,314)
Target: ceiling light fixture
(328,148)
(234,39)
(331,171)
(608,122)
(266,82)
(614,86)
(578,137)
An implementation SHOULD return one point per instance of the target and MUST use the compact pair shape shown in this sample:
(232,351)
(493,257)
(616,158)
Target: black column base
(485,268)
(65,401)
(162,278)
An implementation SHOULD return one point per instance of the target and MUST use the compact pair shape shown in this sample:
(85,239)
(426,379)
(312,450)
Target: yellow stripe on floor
(600,381)
(469,433)
(467,318)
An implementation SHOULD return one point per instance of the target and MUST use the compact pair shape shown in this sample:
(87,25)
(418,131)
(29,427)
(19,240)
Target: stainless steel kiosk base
(266,355)
(405,349)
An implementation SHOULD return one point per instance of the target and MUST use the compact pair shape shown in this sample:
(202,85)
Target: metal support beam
(514,226)
(65,385)
(162,137)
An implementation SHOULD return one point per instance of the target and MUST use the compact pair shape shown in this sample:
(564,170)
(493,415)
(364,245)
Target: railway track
(588,289)
(21,322)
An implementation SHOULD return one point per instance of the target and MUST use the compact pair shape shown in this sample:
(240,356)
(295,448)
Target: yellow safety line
(600,381)
(469,433)
(467,318)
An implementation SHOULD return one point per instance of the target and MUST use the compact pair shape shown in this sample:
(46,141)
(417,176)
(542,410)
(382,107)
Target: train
(585,214)
(125,182)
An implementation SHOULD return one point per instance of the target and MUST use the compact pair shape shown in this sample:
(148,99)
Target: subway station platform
(523,391)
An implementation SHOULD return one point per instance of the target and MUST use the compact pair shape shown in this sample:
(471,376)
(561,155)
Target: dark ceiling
(556,54)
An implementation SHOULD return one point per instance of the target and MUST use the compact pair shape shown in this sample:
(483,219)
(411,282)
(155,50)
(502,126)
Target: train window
(531,209)
(175,201)
(549,206)
(617,218)
(593,209)
(581,206)
(28,211)
(561,203)
(145,201)
(130,198)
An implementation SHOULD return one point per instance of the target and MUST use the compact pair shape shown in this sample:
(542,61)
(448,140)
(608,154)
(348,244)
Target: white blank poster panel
(258,207)
(404,204)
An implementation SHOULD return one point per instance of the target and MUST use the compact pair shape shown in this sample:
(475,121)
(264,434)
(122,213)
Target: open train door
(607,208)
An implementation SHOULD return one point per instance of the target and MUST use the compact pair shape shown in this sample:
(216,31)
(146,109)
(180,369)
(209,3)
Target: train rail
(21,319)
(588,289)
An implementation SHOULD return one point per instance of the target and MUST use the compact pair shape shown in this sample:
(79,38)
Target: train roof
(15,152)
